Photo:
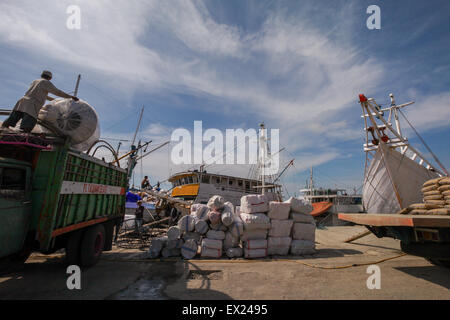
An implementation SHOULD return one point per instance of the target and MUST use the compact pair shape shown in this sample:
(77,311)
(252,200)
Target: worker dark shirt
(140,212)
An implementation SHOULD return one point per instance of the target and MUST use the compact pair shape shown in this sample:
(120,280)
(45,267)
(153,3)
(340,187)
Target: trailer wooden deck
(400,220)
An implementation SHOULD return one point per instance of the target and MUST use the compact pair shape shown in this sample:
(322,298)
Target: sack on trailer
(212,243)
(173,233)
(302,217)
(304,231)
(166,252)
(200,211)
(186,224)
(213,234)
(236,252)
(201,226)
(237,228)
(227,214)
(301,247)
(210,253)
(279,245)
(230,241)
(256,244)
(216,203)
(189,249)
(214,216)
(280,228)
(255,253)
(192,235)
(156,245)
(175,244)
(254,234)
(299,205)
(255,203)
(279,210)
(255,221)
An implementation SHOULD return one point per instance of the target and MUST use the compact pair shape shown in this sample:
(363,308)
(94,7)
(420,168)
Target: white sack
(279,245)
(299,205)
(302,217)
(216,203)
(254,234)
(166,252)
(279,210)
(200,211)
(173,233)
(212,243)
(255,253)
(201,226)
(192,235)
(186,224)
(254,203)
(214,216)
(217,235)
(304,231)
(189,249)
(230,241)
(234,252)
(280,228)
(237,228)
(227,214)
(255,244)
(211,253)
(175,244)
(301,247)
(255,221)
(156,245)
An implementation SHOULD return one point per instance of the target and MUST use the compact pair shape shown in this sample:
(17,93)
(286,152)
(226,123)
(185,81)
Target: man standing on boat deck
(27,108)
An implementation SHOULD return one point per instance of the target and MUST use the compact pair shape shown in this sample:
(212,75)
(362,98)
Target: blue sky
(296,65)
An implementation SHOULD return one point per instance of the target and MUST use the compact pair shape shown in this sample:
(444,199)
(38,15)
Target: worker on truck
(27,108)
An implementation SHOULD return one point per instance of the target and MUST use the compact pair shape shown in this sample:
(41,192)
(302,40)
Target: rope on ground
(255,261)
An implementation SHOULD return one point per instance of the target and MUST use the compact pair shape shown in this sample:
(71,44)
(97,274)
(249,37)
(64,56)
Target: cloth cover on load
(279,245)
(304,231)
(254,203)
(186,224)
(189,249)
(213,234)
(299,205)
(216,203)
(255,221)
(280,228)
(279,210)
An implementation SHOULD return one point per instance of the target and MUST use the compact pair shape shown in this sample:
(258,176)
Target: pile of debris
(436,198)
(257,228)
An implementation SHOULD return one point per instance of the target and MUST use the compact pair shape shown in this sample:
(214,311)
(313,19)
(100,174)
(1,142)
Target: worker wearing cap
(27,108)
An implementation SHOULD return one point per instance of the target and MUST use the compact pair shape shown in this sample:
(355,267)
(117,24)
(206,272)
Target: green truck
(54,197)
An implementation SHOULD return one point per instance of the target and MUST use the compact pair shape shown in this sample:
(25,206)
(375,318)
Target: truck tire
(109,234)
(92,244)
(73,248)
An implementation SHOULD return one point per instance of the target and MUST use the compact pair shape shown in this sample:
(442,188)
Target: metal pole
(75,93)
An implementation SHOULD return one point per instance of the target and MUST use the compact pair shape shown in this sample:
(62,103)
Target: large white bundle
(254,234)
(216,203)
(200,211)
(237,228)
(279,210)
(211,253)
(304,231)
(87,144)
(218,227)
(201,226)
(302,217)
(234,252)
(255,244)
(156,245)
(213,234)
(299,205)
(279,245)
(74,119)
(175,244)
(214,216)
(192,235)
(173,233)
(230,241)
(300,247)
(189,249)
(166,252)
(212,243)
(227,214)
(255,221)
(254,203)
(255,253)
(280,228)
(186,224)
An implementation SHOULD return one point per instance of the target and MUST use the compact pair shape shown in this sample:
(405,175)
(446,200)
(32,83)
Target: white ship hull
(393,181)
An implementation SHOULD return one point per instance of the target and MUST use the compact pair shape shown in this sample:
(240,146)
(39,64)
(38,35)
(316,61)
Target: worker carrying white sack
(27,108)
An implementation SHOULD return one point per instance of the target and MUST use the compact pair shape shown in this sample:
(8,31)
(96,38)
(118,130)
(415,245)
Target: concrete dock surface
(328,274)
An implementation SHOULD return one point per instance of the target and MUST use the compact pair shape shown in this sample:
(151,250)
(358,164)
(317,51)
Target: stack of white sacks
(256,229)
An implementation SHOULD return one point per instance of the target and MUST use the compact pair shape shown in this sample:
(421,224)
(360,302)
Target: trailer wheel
(92,245)
(73,248)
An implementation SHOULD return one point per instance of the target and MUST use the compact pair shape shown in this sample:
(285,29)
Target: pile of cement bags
(255,229)
(436,198)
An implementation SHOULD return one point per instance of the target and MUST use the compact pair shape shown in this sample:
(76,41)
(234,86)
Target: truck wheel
(92,245)
(73,248)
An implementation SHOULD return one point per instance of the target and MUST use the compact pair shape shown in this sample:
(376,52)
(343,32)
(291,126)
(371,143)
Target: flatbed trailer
(427,236)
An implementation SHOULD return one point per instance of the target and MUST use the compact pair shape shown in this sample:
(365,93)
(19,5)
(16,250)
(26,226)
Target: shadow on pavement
(434,274)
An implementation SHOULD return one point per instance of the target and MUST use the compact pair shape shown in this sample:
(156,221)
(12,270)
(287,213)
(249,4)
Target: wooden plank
(77,226)
(374,219)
